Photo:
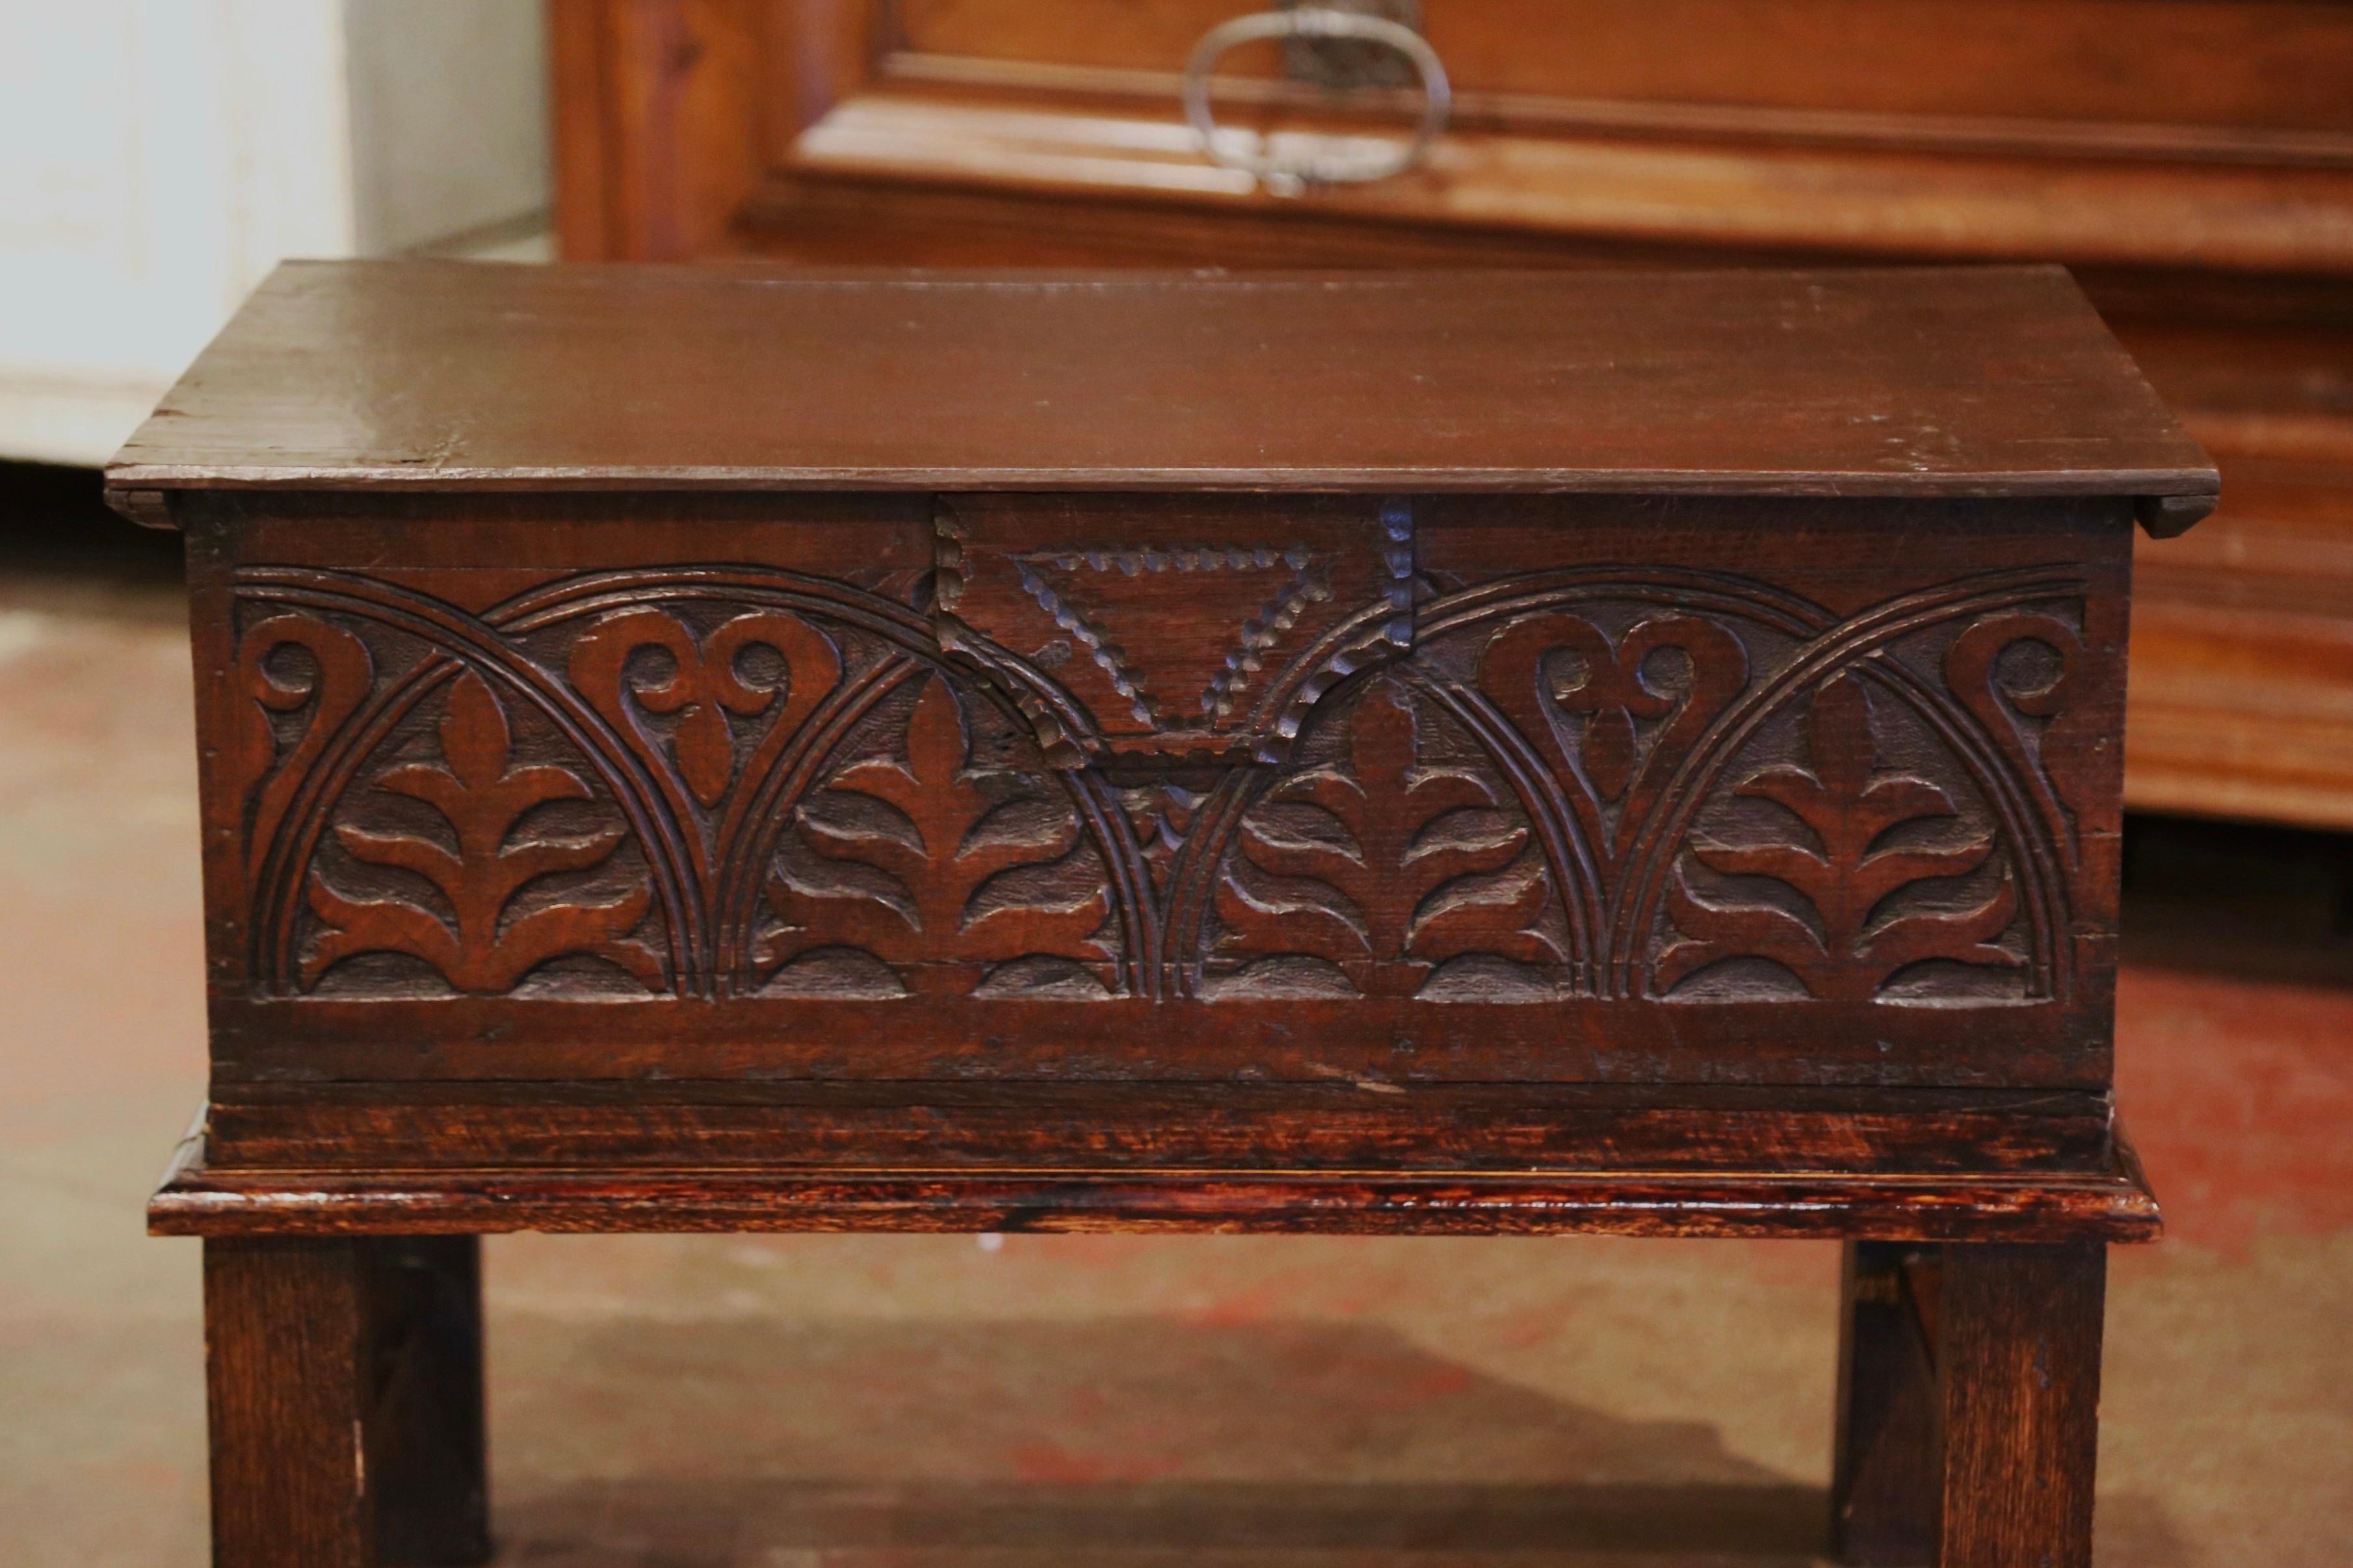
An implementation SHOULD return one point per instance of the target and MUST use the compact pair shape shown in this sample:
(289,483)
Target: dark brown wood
(1145,804)
(2018,1361)
(617,773)
(1177,610)
(1362,1125)
(1141,795)
(346,1402)
(428,1439)
(1919,382)
(1504,756)
(1968,1402)
(1540,1037)
(1886,1485)
(287,1343)
(2112,1203)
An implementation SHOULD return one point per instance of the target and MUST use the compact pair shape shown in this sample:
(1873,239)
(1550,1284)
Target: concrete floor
(789,1402)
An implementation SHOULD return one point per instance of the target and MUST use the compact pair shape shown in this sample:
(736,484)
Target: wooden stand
(1969,1404)
(346,1360)
(1632,754)
(345,1380)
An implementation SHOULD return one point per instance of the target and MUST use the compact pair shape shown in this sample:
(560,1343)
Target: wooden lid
(1994,381)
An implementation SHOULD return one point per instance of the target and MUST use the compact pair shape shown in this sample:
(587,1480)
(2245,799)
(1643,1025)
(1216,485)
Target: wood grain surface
(1527,789)
(417,374)
(2191,162)
(287,1348)
(1494,1127)
(1885,1487)
(2109,1204)
(959,823)
(654,774)
(2018,1355)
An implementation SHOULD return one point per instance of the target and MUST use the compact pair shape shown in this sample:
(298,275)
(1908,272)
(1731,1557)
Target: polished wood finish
(2017,1359)
(2193,160)
(2114,1205)
(2199,79)
(1169,1126)
(717,746)
(1629,753)
(346,1402)
(1968,1402)
(2244,630)
(656,114)
(342,914)
(449,376)
(287,1354)
(2216,138)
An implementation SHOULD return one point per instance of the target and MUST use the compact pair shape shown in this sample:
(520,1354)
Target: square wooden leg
(1885,1485)
(2018,1358)
(345,1402)
(1968,1405)
(428,1444)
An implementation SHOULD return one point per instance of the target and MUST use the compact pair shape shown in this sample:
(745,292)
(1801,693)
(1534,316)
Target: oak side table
(1477,753)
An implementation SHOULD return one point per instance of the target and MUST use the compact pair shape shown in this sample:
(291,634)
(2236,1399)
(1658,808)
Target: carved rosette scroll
(1204,771)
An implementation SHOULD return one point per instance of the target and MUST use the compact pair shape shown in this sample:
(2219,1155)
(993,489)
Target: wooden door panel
(2244,69)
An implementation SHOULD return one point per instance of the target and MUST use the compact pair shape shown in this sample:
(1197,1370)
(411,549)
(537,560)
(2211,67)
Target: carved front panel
(1587,782)
(692,782)
(1614,800)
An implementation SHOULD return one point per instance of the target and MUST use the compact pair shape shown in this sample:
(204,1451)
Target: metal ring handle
(1339,162)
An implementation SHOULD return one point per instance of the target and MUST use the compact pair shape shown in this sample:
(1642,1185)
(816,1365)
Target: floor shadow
(677,1525)
(750,1443)
(1124,1439)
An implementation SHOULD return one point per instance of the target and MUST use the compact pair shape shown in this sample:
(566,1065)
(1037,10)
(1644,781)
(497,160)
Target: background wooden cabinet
(2191,159)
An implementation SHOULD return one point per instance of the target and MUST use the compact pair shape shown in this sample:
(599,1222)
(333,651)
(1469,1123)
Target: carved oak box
(989,749)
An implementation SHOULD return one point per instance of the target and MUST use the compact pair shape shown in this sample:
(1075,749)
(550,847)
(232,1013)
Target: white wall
(448,103)
(157,157)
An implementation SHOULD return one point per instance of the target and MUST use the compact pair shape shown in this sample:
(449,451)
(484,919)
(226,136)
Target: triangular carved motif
(1181,631)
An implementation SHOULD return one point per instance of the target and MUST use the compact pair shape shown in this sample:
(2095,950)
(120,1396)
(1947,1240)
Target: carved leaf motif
(1401,886)
(951,839)
(1848,808)
(336,683)
(704,684)
(484,801)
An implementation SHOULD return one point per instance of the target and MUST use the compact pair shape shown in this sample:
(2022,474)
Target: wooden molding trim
(2111,1205)
(1944,133)
(1723,193)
